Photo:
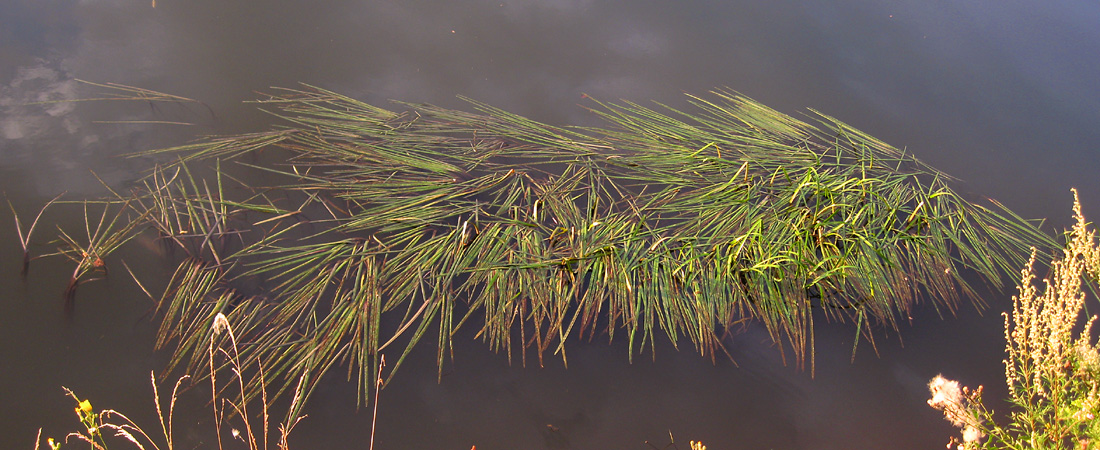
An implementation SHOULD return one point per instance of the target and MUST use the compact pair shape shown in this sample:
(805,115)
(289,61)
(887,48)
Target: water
(1004,95)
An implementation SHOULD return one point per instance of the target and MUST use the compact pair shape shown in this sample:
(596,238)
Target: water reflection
(1003,94)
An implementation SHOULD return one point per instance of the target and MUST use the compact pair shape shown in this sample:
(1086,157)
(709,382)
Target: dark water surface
(1003,94)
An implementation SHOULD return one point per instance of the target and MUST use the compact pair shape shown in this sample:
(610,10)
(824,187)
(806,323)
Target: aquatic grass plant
(25,239)
(362,228)
(111,92)
(97,243)
(88,252)
(106,428)
(1052,367)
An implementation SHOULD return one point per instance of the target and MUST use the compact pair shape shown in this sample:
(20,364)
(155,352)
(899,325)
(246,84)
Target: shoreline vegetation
(347,231)
(1052,367)
(232,420)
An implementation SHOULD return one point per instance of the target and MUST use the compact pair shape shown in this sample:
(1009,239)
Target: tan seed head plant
(1052,362)
(109,427)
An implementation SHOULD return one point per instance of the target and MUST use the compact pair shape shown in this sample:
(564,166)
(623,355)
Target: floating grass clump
(375,228)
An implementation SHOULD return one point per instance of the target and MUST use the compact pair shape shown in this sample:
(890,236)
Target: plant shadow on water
(362,229)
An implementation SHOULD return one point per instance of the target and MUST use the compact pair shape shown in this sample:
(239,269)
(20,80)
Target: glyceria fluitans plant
(1052,367)
(359,229)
